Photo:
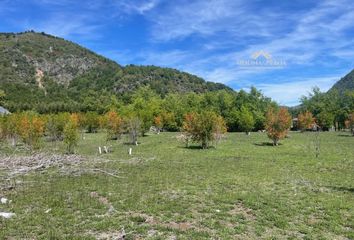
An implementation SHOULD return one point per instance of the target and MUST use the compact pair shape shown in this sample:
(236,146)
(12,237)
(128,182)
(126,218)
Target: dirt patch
(104,201)
(112,235)
(153,221)
(183,226)
(241,209)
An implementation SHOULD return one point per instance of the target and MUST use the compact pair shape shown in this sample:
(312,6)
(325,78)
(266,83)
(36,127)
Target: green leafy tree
(55,125)
(91,122)
(71,136)
(245,120)
(145,105)
(325,120)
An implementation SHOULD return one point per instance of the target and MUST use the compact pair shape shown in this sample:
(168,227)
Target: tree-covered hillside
(345,84)
(39,71)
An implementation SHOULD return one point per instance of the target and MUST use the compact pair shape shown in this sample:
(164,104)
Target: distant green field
(243,189)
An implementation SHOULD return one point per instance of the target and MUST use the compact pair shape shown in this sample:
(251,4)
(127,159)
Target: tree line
(207,127)
(330,109)
(242,111)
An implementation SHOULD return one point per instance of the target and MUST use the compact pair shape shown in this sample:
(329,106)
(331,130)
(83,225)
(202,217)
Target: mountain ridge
(345,83)
(38,68)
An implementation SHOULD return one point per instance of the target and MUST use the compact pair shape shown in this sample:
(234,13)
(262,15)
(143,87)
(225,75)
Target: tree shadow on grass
(131,144)
(196,147)
(342,189)
(267,144)
(345,135)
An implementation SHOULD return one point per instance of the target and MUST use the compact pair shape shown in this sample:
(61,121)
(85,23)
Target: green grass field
(243,189)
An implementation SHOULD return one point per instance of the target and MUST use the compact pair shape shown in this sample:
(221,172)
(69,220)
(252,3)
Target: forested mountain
(346,83)
(39,71)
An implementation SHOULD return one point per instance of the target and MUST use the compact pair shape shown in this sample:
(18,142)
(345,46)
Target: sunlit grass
(242,189)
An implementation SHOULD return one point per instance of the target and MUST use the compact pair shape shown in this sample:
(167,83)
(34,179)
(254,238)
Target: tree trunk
(204,144)
(13,142)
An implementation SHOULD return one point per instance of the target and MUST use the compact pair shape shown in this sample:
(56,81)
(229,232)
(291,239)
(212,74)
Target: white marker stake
(100,150)
(130,151)
(105,149)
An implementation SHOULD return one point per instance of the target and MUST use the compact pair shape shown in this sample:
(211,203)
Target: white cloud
(60,25)
(288,93)
(140,7)
(180,20)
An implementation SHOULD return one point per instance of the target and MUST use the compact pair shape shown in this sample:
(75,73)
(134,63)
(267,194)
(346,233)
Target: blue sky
(314,39)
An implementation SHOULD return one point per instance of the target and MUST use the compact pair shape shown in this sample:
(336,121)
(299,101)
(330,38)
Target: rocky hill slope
(40,69)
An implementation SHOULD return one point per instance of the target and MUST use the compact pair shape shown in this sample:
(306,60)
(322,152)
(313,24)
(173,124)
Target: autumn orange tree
(30,128)
(158,123)
(205,127)
(219,129)
(169,121)
(305,120)
(112,122)
(278,122)
(189,125)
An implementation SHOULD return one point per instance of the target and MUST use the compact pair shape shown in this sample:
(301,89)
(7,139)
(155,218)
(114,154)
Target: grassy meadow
(242,189)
